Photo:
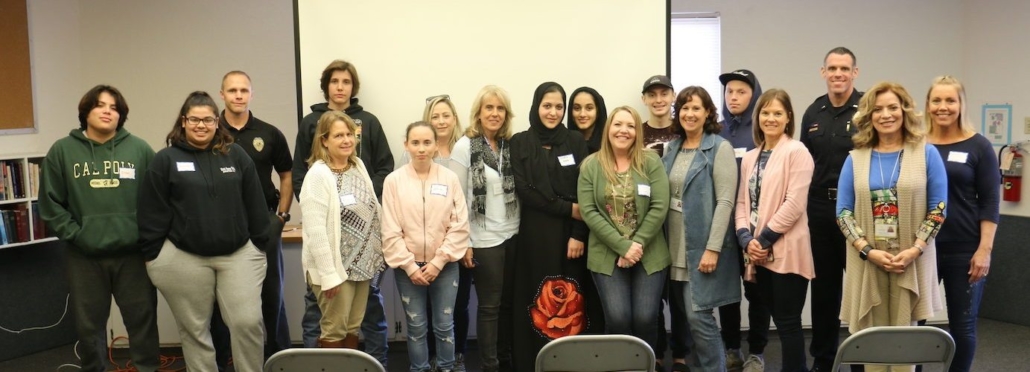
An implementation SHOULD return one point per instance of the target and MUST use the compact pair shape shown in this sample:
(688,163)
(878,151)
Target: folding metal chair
(897,345)
(322,360)
(596,353)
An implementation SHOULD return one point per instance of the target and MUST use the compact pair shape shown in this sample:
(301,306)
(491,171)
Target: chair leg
(350,342)
(326,344)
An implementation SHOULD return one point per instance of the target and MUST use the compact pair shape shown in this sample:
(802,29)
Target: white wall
(996,58)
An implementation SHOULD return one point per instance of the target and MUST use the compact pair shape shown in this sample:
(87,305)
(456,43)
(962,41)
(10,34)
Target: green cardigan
(606,245)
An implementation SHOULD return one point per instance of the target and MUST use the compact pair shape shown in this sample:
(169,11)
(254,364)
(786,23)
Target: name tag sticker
(677,205)
(497,189)
(958,156)
(127,173)
(643,190)
(566,160)
(438,189)
(348,200)
(739,152)
(185,166)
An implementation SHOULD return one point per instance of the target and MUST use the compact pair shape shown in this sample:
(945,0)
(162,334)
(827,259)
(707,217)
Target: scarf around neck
(482,156)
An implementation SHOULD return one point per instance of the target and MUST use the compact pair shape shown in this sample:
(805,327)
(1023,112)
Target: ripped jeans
(442,291)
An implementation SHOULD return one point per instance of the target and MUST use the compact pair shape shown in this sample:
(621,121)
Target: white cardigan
(320,206)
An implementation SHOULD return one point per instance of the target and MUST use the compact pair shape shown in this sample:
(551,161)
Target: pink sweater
(423,221)
(781,207)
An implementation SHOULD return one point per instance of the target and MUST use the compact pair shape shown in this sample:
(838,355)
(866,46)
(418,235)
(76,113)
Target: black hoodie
(374,149)
(597,131)
(737,129)
(205,202)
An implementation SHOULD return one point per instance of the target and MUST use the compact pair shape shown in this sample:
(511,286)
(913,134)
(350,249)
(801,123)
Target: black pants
(757,315)
(273,309)
(784,294)
(92,282)
(829,249)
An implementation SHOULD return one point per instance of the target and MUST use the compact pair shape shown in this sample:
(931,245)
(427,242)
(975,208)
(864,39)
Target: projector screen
(408,50)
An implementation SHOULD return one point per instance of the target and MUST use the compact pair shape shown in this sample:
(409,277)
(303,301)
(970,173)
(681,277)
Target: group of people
(582,227)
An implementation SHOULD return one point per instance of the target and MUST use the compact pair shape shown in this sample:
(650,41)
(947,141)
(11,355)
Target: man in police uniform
(267,146)
(826,130)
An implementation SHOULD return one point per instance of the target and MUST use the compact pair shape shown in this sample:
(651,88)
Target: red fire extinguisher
(1012,178)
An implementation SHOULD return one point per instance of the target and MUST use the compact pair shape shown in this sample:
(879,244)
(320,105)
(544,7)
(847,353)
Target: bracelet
(919,248)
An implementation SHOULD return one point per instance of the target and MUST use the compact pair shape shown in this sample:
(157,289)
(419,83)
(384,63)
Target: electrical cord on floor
(166,361)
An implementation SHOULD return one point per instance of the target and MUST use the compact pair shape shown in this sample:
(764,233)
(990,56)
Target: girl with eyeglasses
(202,218)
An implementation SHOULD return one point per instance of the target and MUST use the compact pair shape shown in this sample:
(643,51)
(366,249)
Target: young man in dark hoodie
(741,91)
(340,85)
(267,146)
(90,182)
(826,130)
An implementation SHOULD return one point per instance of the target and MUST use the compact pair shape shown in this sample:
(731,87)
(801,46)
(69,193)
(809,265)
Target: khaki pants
(892,304)
(342,314)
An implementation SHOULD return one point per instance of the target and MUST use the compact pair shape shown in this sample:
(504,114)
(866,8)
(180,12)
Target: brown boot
(326,344)
(350,342)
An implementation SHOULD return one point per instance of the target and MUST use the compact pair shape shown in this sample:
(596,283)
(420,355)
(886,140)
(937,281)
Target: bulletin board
(16,107)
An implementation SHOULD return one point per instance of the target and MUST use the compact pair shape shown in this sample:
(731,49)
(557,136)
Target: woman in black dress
(552,284)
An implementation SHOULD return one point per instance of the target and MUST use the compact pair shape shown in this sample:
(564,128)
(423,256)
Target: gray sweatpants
(191,284)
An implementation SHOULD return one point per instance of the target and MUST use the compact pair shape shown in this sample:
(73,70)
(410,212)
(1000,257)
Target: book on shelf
(3,227)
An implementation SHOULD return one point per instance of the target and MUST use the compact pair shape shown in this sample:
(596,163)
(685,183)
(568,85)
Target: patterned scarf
(483,156)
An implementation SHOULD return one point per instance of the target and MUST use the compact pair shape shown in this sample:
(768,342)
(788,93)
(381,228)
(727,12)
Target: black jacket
(207,203)
(374,149)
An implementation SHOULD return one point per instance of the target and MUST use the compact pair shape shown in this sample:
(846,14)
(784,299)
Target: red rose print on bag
(558,308)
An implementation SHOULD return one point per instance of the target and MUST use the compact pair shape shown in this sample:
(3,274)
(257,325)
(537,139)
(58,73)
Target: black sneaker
(680,367)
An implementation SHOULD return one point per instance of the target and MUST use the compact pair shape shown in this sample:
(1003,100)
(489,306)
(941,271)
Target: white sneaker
(754,363)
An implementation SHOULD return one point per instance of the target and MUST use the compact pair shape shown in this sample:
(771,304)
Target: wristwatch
(284,215)
(864,254)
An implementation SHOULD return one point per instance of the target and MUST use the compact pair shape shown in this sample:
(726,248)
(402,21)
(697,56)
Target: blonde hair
(428,114)
(475,128)
(325,123)
(912,126)
(961,90)
(637,152)
(765,99)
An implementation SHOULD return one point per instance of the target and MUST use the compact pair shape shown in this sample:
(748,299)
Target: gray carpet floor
(1002,347)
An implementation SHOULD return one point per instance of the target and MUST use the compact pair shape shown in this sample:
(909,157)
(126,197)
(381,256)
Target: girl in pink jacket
(425,231)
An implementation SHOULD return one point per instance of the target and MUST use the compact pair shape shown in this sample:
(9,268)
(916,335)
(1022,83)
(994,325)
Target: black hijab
(597,130)
(552,136)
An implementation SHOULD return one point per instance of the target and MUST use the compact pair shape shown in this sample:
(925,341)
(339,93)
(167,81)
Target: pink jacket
(423,221)
(781,207)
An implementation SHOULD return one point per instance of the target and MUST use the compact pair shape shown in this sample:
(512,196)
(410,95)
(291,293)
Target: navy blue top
(973,190)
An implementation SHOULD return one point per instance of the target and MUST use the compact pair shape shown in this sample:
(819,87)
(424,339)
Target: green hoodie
(89,191)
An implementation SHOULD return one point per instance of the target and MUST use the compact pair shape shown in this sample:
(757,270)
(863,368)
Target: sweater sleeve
(592,213)
(800,166)
(456,239)
(936,195)
(53,200)
(395,251)
(301,152)
(654,220)
(154,209)
(988,198)
(314,206)
(461,160)
(382,158)
(846,203)
(724,175)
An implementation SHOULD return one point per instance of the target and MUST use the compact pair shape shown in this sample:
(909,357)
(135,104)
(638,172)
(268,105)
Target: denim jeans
(784,294)
(630,299)
(443,291)
(373,327)
(701,328)
(679,338)
(963,300)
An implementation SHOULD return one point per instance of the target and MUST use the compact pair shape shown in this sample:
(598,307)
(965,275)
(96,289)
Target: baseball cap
(661,80)
(742,75)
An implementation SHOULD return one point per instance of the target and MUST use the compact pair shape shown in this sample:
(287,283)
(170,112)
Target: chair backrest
(897,345)
(596,353)
(322,360)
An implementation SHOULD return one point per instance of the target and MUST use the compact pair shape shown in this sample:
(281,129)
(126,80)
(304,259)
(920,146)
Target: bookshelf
(20,222)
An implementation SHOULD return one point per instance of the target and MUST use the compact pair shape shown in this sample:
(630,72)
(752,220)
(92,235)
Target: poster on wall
(997,124)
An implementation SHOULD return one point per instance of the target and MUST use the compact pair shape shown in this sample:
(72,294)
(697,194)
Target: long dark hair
(222,139)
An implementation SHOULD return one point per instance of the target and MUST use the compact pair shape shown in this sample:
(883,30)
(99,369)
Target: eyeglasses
(208,121)
(442,97)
